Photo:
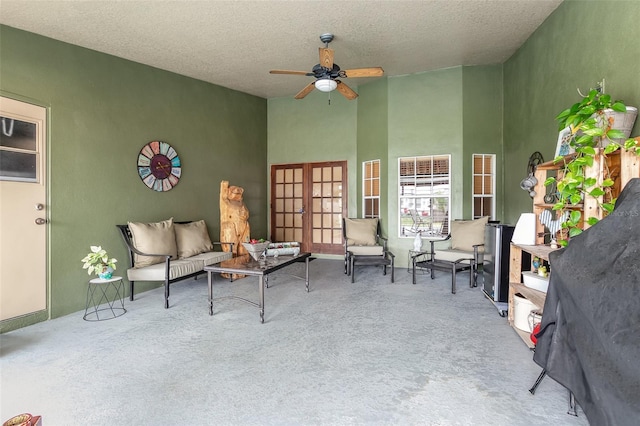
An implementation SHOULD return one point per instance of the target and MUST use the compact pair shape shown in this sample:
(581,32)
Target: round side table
(105,299)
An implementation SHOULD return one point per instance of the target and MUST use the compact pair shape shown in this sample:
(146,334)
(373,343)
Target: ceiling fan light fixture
(326,85)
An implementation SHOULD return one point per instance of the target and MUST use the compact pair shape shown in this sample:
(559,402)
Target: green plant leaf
(590,181)
(574,231)
(596,192)
(575,199)
(587,150)
(592,221)
(612,147)
(549,181)
(608,182)
(595,131)
(563,243)
(608,207)
(619,106)
(575,216)
(615,134)
(557,206)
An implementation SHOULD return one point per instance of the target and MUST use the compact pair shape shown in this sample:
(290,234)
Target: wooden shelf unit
(515,273)
(621,166)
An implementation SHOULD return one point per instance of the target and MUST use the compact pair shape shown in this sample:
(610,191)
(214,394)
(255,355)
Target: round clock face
(159,166)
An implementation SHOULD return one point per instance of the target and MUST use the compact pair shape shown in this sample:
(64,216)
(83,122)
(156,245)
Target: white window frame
(431,219)
(491,195)
(369,182)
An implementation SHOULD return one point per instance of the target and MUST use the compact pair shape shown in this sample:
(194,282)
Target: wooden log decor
(234,220)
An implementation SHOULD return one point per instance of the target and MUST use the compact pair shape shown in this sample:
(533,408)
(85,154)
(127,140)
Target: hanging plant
(592,135)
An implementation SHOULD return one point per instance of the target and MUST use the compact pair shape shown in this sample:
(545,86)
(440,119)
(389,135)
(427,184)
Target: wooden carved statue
(234,218)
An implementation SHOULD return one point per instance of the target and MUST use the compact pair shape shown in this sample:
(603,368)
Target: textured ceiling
(235,43)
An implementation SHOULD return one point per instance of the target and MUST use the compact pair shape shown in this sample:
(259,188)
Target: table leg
(306,273)
(414,269)
(392,270)
(353,269)
(261,289)
(210,283)
(453,278)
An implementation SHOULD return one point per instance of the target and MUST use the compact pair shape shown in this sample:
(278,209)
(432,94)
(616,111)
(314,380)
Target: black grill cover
(590,332)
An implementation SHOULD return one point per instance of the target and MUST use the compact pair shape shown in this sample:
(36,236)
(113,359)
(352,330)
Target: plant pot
(106,273)
(622,121)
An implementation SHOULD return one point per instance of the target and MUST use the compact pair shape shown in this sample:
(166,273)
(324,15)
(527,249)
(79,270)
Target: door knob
(39,206)
(41,221)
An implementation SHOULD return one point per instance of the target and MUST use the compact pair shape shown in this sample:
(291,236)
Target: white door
(23,224)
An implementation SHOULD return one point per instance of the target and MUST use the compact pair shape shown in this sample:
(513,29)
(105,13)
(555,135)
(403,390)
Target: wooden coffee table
(245,265)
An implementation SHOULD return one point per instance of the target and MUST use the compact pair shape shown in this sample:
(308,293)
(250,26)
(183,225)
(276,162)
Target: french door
(308,201)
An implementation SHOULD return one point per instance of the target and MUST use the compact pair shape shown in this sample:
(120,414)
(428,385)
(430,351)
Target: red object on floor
(533,337)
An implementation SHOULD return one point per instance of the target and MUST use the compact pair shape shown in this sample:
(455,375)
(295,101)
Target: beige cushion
(192,238)
(361,232)
(366,250)
(466,233)
(177,269)
(153,238)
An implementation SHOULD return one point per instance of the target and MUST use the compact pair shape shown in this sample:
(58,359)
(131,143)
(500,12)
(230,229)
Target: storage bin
(535,281)
(522,307)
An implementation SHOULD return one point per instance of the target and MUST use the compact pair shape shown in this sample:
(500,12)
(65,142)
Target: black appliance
(495,266)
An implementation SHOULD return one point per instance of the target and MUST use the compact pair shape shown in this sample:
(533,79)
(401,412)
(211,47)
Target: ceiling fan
(327,73)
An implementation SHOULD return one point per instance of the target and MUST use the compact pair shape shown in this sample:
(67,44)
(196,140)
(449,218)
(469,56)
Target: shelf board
(566,207)
(536,297)
(526,337)
(540,250)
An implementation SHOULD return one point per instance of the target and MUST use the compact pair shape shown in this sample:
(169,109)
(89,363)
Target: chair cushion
(178,268)
(361,232)
(453,255)
(192,238)
(212,257)
(366,250)
(153,238)
(467,233)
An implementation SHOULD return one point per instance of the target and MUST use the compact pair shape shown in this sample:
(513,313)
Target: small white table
(104,295)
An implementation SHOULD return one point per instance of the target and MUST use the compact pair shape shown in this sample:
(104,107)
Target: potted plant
(97,261)
(593,134)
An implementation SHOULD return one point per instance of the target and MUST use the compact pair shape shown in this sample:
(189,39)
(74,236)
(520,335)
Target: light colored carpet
(371,352)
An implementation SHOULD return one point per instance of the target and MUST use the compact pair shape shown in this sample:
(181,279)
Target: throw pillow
(361,232)
(153,238)
(467,233)
(192,238)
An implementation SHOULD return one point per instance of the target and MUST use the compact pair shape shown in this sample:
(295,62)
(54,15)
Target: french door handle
(301,211)
(41,221)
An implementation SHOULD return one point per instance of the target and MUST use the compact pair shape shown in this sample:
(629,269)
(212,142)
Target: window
(484,185)
(371,188)
(425,194)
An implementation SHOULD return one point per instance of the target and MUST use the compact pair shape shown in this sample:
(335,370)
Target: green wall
(373,141)
(482,127)
(314,130)
(419,114)
(102,110)
(581,43)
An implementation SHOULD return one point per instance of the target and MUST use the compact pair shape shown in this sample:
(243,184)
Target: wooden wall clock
(159,166)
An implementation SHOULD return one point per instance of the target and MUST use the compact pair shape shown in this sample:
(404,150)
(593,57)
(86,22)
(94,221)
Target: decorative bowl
(256,250)
(19,420)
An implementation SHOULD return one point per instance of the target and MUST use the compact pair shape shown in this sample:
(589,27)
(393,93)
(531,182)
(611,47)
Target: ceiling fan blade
(346,90)
(365,72)
(288,72)
(304,92)
(326,57)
